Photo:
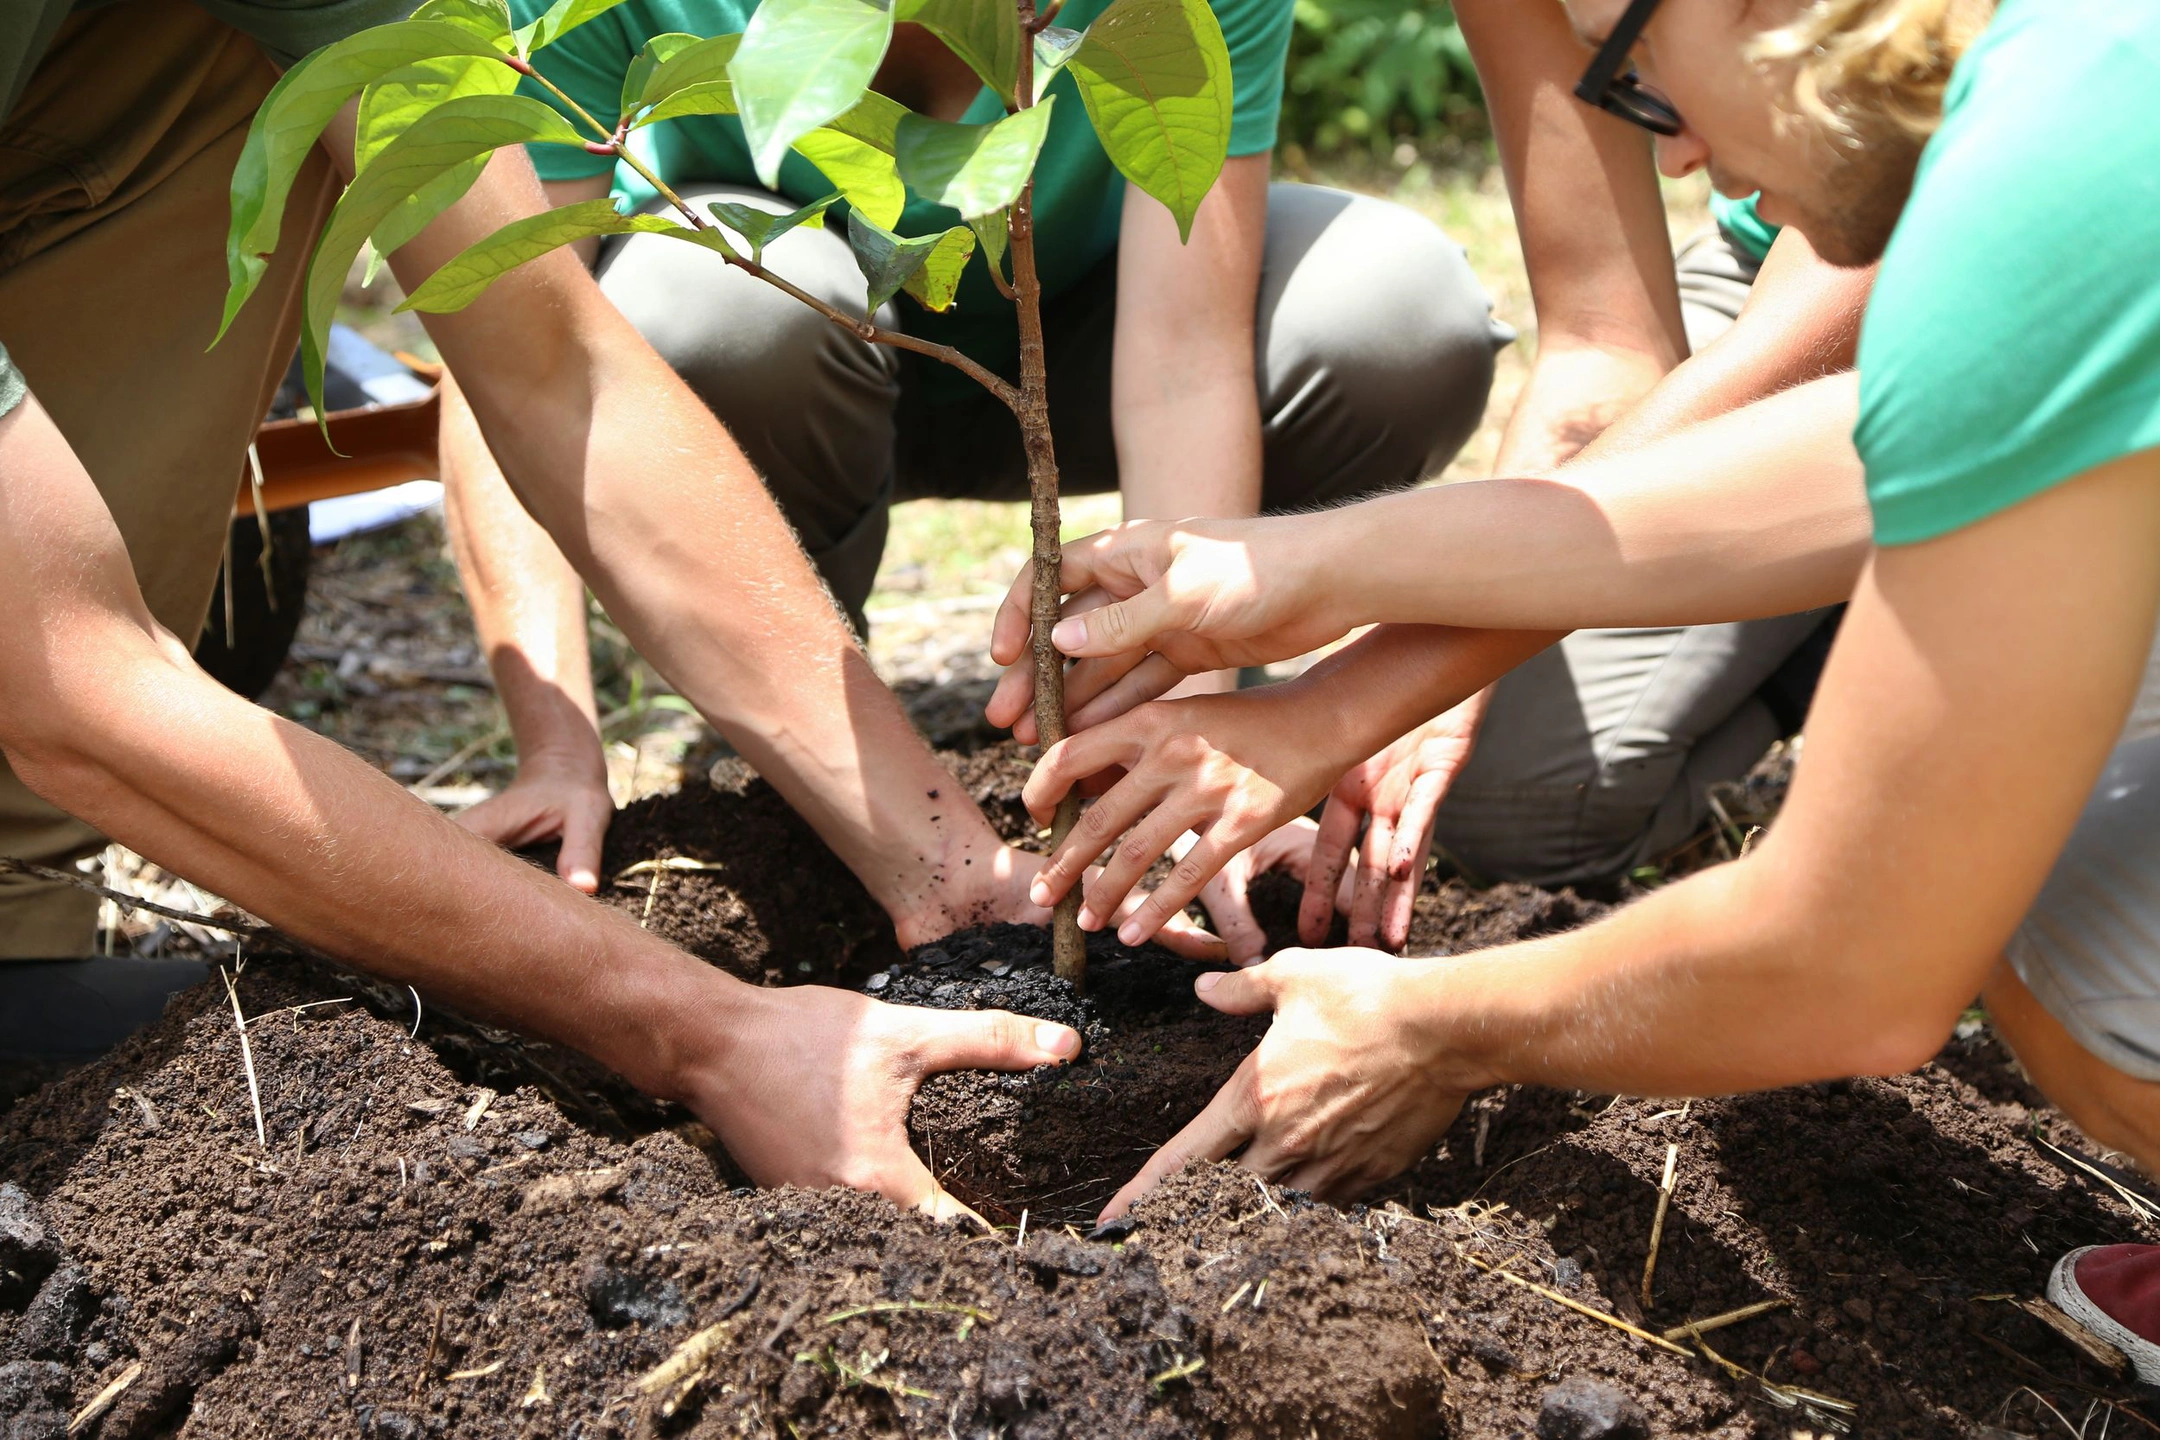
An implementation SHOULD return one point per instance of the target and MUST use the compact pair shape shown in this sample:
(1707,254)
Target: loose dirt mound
(403,1260)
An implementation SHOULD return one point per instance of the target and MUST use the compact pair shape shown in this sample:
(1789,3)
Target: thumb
(1250,991)
(584,829)
(992,1040)
(1119,626)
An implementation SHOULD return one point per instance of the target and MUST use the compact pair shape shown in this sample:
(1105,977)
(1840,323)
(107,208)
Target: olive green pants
(115,170)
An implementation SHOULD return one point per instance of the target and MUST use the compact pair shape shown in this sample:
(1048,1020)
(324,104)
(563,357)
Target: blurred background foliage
(1379,80)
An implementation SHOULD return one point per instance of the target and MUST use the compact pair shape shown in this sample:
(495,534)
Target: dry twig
(1720,1321)
(1576,1305)
(91,1413)
(1657,1223)
(247,1059)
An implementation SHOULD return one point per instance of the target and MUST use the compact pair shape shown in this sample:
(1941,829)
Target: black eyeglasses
(1612,85)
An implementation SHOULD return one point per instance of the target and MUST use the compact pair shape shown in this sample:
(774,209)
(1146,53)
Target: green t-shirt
(1747,230)
(1078,193)
(2013,339)
(287,29)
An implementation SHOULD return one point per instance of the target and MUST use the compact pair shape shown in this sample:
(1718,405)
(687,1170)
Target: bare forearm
(1757,513)
(299,831)
(651,500)
(1395,677)
(528,603)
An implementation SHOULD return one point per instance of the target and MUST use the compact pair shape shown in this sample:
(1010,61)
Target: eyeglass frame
(1612,85)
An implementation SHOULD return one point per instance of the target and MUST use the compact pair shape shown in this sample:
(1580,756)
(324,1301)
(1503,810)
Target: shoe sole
(2063,1292)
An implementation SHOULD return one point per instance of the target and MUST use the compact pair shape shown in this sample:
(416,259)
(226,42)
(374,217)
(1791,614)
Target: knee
(1379,313)
(742,345)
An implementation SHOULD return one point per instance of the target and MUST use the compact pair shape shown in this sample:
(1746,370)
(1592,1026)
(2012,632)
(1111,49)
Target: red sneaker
(2114,1291)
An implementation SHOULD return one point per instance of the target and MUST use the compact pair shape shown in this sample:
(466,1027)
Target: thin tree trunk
(1068,946)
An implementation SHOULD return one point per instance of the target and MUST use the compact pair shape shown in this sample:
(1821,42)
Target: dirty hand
(811,1085)
(1229,768)
(997,888)
(1342,1092)
(1228,897)
(1393,798)
(565,798)
(1155,601)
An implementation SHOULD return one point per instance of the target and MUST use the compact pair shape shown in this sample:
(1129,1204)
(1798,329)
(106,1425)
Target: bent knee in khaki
(1375,343)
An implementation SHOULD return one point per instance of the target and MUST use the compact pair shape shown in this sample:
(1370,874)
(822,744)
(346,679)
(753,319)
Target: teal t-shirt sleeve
(588,65)
(1258,35)
(2013,338)
(289,29)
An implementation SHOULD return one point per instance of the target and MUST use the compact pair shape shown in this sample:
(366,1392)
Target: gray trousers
(1373,360)
(1597,755)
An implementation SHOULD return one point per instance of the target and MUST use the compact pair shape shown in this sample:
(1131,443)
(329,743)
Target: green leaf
(984,33)
(650,59)
(560,19)
(803,64)
(466,277)
(1155,76)
(488,19)
(452,134)
(874,120)
(927,267)
(974,169)
(291,120)
(994,233)
(390,105)
(863,173)
(762,227)
(1054,45)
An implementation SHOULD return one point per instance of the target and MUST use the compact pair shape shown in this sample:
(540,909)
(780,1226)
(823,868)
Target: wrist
(673,1021)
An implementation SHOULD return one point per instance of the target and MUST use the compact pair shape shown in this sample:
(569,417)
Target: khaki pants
(1597,756)
(114,177)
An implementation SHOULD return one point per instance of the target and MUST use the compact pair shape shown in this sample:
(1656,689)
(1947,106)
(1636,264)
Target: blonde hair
(1863,63)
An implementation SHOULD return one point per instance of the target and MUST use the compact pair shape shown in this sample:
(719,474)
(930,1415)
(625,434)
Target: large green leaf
(452,134)
(1054,45)
(1155,76)
(927,267)
(984,33)
(291,120)
(702,62)
(974,169)
(802,64)
(650,59)
(465,278)
(762,227)
(559,20)
(488,19)
(863,173)
(391,104)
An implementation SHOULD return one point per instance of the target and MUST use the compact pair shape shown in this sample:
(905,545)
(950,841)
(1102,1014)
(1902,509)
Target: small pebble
(878,981)
(1566,1273)
(1858,1309)
(1579,1408)
(534,1139)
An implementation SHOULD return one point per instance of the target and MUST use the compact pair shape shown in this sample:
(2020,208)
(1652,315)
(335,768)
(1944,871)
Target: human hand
(1393,798)
(554,796)
(811,1085)
(1343,1091)
(1229,768)
(1155,601)
(993,887)
(1228,897)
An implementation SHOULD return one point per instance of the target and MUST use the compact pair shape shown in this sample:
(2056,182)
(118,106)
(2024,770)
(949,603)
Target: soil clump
(459,1233)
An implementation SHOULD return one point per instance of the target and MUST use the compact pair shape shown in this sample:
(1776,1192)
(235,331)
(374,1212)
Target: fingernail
(1208,981)
(1069,635)
(1040,894)
(1058,1040)
(1129,933)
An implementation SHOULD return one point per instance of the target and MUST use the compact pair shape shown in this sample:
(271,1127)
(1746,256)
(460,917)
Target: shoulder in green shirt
(1078,193)
(2013,338)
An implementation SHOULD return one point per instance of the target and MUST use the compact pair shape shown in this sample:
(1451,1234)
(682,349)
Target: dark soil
(388,1267)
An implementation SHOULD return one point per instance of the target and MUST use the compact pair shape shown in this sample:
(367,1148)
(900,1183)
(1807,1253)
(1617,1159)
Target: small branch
(10,866)
(1657,1223)
(247,1058)
(1719,1322)
(611,143)
(1576,1305)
